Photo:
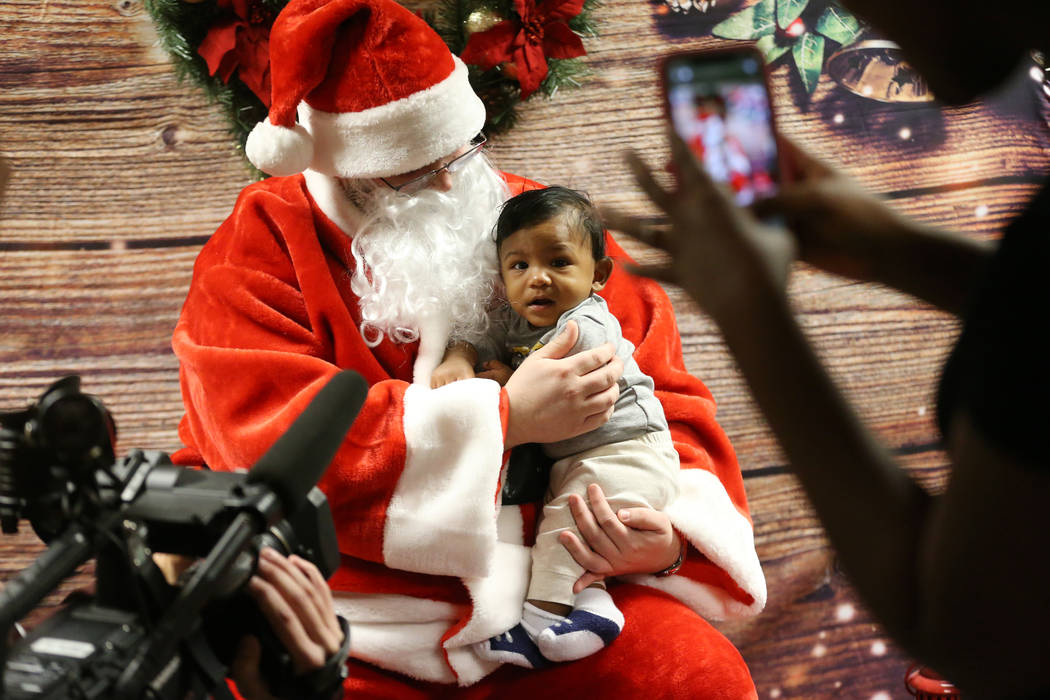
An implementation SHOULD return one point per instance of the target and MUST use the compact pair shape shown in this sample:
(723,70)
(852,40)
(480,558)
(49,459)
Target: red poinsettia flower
(540,31)
(241,43)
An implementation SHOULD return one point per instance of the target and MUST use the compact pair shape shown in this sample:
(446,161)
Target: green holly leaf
(808,53)
(750,23)
(788,11)
(838,25)
(770,49)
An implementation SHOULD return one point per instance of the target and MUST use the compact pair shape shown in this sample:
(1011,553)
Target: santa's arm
(405,489)
(721,577)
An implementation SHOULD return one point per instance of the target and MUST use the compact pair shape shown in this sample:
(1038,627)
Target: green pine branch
(181,28)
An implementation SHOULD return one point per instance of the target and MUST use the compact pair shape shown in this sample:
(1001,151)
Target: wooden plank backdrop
(119,173)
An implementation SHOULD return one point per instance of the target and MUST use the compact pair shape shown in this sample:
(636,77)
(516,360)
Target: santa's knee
(676,653)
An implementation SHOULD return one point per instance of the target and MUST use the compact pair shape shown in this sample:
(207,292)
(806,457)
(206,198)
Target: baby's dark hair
(538,206)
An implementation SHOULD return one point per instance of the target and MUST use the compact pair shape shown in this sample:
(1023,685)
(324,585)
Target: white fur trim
(510,523)
(708,601)
(397,137)
(712,524)
(433,339)
(403,634)
(328,194)
(469,667)
(498,599)
(393,608)
(279,150)
(400,633)
(413,649)
(441,518)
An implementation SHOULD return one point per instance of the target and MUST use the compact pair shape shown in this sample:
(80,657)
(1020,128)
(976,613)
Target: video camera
(140,636)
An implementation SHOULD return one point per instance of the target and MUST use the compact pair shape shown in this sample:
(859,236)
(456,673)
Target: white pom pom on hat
(278,150)
(376,90)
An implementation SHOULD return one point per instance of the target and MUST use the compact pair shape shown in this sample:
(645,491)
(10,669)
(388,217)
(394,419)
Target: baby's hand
(496,371)
(452,369)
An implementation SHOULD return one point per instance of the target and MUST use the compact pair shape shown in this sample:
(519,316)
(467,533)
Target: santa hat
(377,92)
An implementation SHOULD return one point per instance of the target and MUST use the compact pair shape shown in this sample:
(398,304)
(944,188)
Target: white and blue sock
(593,624)
(518,644)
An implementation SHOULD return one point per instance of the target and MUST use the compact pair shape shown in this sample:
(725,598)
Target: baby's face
(547,269)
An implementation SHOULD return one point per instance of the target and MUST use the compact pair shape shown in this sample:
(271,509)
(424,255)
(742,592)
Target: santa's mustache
(430,253)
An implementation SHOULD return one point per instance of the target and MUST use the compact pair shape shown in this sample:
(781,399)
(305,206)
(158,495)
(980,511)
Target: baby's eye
(520,265)
(561,262)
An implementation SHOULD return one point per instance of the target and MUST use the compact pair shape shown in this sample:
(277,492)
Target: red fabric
(270,317)
(351,55)
(266,323)
(665,652)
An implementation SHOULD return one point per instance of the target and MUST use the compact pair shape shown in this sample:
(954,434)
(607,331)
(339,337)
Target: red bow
(241,43)
(540,31)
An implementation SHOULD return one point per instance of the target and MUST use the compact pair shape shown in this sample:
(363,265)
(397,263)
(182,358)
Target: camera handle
(184,612)
(22,593)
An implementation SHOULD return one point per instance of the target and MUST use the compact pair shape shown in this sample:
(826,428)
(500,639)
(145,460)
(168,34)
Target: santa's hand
(496,371)
(553,397)
(631,541)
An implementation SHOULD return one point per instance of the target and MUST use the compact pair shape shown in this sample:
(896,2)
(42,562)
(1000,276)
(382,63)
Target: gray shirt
(637,411)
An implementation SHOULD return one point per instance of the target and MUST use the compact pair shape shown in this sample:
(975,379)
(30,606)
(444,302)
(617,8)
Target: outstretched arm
(940,573)
(871,508)
(842,229)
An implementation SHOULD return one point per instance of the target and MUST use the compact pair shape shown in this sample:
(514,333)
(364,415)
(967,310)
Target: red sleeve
(263,328)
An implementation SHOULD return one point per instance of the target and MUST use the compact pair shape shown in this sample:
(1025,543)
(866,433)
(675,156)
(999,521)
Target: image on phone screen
(719,105)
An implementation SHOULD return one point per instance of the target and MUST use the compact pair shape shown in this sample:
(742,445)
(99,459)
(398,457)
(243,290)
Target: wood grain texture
(119,173)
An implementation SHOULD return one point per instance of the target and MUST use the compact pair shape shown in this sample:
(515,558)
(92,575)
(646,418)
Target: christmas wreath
(513,49)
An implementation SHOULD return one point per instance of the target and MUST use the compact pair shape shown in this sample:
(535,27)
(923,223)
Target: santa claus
(369,251)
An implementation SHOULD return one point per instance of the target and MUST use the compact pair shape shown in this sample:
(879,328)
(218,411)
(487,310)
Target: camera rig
(139,635)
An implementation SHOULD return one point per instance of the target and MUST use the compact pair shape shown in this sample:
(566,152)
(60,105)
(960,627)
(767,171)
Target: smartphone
(718,102)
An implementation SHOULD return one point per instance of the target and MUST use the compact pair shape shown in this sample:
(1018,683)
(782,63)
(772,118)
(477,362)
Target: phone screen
(719,105)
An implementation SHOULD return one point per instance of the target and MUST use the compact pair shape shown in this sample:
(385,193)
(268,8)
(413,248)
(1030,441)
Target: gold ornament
(482,20)
(876,69)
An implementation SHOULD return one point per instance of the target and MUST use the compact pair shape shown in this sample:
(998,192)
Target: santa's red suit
(431,562)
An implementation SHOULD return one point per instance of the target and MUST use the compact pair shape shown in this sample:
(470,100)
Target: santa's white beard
(428,258)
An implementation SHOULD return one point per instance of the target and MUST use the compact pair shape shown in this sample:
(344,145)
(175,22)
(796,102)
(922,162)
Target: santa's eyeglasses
(421,182)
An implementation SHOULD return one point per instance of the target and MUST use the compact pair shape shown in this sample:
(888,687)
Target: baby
(551,249)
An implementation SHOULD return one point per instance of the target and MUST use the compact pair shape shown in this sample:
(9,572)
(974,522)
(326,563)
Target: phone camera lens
(683,74)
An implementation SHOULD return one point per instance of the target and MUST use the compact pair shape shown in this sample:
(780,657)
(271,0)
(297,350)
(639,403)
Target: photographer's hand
(723,256)
(297,603)
(844,230)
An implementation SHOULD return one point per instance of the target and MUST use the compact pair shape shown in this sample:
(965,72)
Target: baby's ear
(602,270)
